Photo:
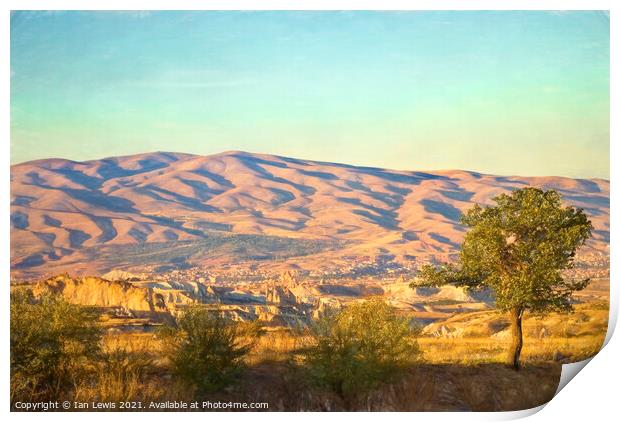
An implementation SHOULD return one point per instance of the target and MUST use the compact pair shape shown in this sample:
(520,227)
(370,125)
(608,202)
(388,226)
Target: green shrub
(205,350)
(52,345)
(359,347)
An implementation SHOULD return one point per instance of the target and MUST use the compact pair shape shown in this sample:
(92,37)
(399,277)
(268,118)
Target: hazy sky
(498,92)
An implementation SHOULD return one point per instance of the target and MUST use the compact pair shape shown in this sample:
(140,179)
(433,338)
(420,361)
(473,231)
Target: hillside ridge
(64,213)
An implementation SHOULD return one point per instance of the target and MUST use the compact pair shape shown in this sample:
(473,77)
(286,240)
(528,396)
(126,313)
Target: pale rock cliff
(95,291)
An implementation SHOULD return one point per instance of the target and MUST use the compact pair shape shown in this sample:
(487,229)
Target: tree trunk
(516,319)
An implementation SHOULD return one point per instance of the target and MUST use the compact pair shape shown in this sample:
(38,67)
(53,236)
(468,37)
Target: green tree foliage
(355,349)
(206,351)
(518,248)
(52,344)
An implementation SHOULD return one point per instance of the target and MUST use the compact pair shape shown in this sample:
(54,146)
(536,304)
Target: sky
(513,93)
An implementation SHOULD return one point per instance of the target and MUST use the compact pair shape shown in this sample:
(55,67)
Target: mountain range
(252,210)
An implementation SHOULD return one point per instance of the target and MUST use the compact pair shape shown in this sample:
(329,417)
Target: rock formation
(120,275)
(95,291)
(280,295)
(287,291)
(324,305)
(279,292)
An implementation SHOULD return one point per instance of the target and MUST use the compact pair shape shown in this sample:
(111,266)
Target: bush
(52,344)
(206,350)
(359,347)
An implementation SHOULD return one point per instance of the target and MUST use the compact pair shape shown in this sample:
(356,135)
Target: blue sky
(498,92)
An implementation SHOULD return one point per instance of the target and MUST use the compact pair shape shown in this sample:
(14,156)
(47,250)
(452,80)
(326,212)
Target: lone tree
(518,248)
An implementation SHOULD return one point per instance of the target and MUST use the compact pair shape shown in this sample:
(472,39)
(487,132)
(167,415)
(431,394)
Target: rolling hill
(250,209)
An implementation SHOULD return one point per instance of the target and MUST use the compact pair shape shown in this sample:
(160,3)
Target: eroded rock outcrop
(288,292)
(325,305)
(280,295)
(95,291)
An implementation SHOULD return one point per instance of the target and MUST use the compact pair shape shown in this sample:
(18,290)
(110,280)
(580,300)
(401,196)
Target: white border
(591,395)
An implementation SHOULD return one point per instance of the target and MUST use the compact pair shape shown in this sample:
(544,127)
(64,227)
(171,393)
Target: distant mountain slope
(63,211)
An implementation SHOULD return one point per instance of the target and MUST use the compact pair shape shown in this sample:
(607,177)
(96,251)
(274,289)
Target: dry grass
(136,342)
(466,373)
(570,338)
(422,387)
(126,371)
(485,338)
(484,387)
(274,346)
(473,351)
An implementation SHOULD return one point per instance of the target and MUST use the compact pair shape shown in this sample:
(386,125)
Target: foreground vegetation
(53,343)
(365,357)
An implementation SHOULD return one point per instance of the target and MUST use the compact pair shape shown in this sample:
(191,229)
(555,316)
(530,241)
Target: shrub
(206,350)
(359,347)
(52,344)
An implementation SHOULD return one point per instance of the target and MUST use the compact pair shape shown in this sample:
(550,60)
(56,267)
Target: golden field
(453,373)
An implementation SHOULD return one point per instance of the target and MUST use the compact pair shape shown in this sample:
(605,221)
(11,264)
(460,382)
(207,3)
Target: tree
(53,344)
(205,349)
(518,248)
(358,347)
